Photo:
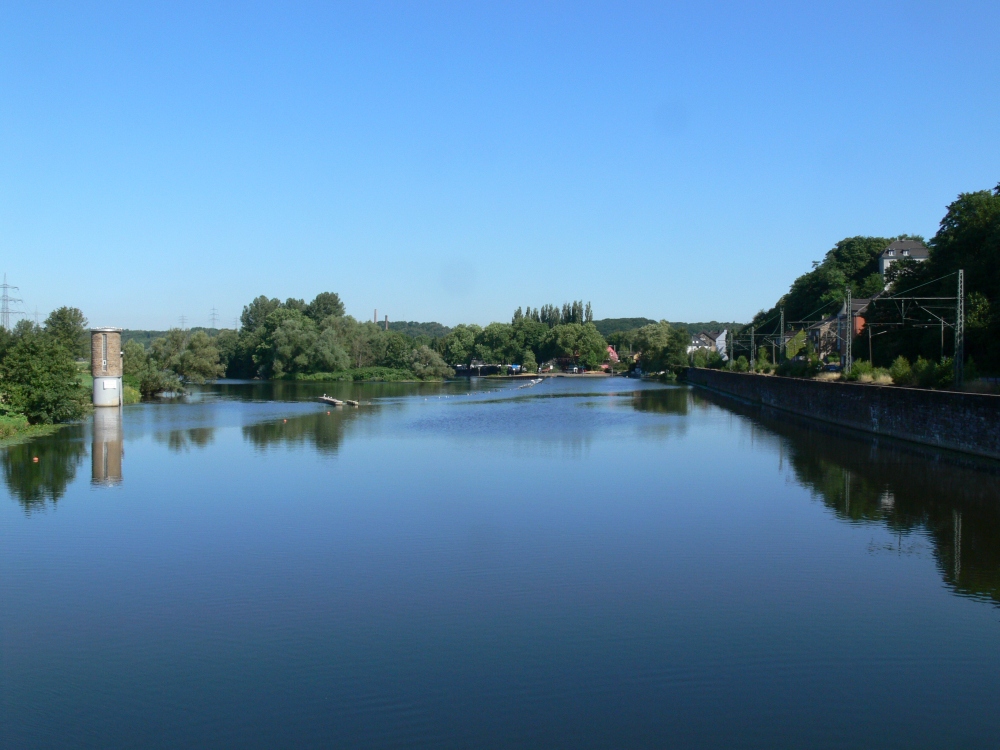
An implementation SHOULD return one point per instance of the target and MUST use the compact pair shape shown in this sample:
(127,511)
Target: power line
(5,303)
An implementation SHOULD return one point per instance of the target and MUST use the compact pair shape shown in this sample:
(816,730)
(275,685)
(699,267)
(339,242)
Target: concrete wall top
(968,422)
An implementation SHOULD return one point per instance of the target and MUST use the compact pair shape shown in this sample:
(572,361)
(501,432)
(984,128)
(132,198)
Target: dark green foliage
(428,364)
(799,368)
(392,350)
(256,312)
(324,305)
(579,342)
(39,379)
(416,330)
(227,344)
(191,357)
(358,374)
(706,358)
(968,239)
(69,326)
(146,337)
(852,262)
(552,315)
(608,326)
(901,372)
(458,347)
(142,373)
(662,347)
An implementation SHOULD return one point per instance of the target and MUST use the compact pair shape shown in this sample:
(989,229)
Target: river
(587,563)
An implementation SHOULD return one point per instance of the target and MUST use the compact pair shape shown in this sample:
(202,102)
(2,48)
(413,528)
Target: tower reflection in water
(107,449)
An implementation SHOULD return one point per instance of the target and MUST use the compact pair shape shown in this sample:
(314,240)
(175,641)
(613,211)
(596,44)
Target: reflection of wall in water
(107,449)
(904,487)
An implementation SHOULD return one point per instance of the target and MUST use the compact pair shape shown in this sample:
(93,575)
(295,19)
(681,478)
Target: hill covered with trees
(968,239)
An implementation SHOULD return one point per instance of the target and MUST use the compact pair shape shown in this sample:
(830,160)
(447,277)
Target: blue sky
(452,161)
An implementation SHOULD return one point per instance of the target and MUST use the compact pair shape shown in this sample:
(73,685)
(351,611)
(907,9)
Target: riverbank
(16,430)
(967,422)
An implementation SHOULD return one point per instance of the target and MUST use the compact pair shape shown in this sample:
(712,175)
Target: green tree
(227,343)
(285,345)
(324,305)
(392,350)
(580,342)
(662,347)
(143,373)
(328,353)
(69,326)
(256,312)
(494,344)
(165,351)
(528,361)
(528,335)
(199,360)
(427,363)
(38,378)
(458,347)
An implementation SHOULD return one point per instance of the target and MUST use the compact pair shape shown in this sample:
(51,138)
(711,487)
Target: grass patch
(15,429)
(361,374)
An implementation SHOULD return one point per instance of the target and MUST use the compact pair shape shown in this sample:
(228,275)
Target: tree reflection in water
(953,498)
(324,430)
(36,483)
(661,400)
(184,440)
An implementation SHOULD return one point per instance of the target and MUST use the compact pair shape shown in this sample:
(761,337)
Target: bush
(881,376)
(380,374)
(741,364)
(944,373)
(923,373)
(130,395)
(428,364)
(40,380)
(860,368)
(11,424)
(901,372)
(529,365)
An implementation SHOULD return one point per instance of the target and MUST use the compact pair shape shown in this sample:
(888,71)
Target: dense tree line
(293,339)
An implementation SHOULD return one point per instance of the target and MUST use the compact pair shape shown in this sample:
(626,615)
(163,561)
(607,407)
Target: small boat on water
(530,383)
(337,402)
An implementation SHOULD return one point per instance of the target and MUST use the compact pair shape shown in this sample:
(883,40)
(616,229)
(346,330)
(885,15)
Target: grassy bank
(360,375)
(15,429)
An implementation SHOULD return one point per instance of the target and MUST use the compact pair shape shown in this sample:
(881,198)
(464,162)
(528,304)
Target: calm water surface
(582,564)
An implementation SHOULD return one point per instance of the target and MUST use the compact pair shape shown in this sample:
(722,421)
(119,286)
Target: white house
(901,249)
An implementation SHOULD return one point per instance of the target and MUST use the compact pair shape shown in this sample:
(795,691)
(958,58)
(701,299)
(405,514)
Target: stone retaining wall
(968,422)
